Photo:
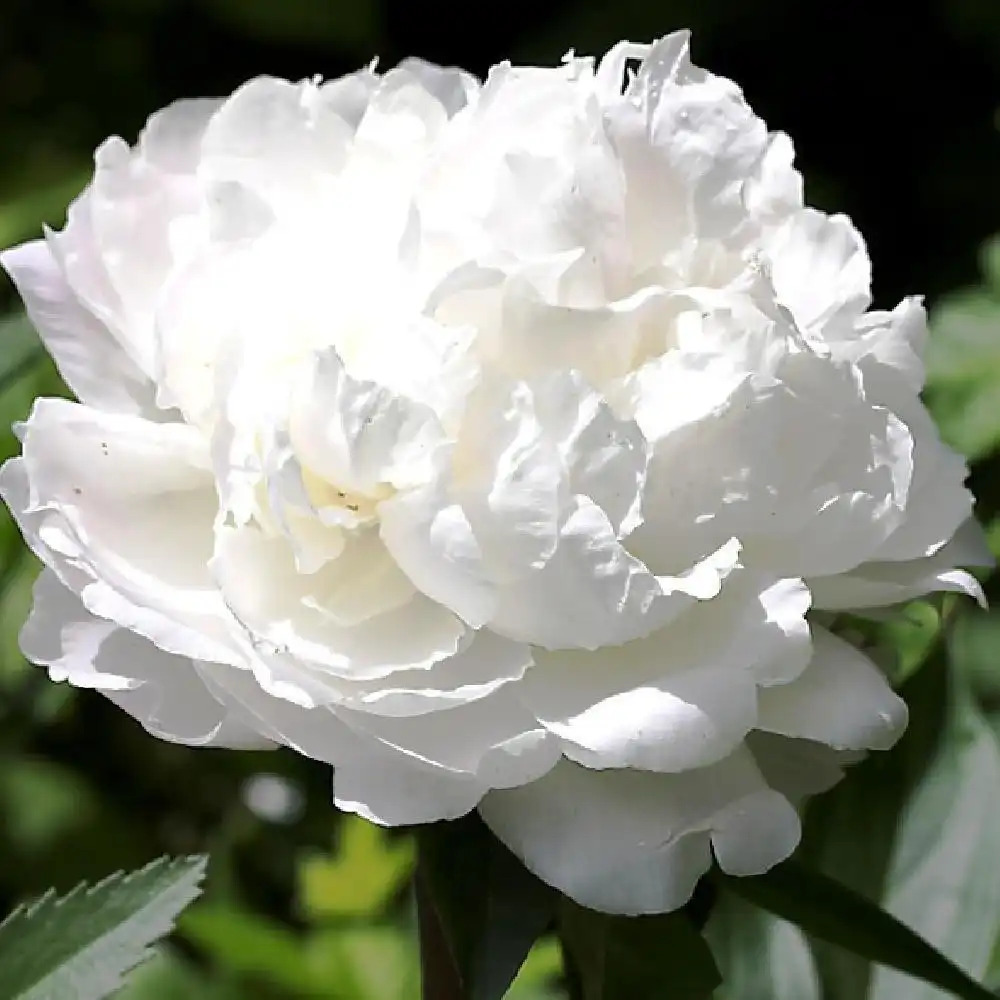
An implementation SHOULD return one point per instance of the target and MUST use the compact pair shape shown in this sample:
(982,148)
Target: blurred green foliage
(301,904)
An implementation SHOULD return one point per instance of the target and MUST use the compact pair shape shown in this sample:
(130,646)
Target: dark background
(893,110)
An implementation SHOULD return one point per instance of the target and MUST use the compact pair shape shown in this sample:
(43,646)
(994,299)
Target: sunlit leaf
(828,910)
(366,871)
(81,945)
(247,943)
(944,880)
(760,956)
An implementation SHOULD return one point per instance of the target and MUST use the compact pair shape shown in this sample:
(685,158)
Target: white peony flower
(490,442)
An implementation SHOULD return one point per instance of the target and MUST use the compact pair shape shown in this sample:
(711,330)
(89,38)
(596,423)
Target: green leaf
(368,869)
(637,958)
(540,973)
(760,956)
(79,947)
(944,880)
(364,962)
(22,217)
(249,944)
(831,911)
(963,370)
(167,976)
(877,789)
(490,907)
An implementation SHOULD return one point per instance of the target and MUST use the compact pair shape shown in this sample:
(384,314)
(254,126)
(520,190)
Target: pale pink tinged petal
(88,357)
(283,141)
(171,140)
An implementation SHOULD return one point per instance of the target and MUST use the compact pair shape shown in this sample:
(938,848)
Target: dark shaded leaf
(637,958)
(490,907)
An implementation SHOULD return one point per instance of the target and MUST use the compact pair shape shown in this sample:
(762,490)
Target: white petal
(284,141)
(593,593)
(164,692)
(454,88)
(493,738)
(683,697)
(486,664)
(841,699)
(88,357)
(878,584)
(688,142)
(286,610)
(393,790)
(171,140)
(429,536)
(799,768)
(820,268)
(776,189)
(635,842)
(359,436)
(122,509)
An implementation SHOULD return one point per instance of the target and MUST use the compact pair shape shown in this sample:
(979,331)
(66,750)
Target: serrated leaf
(490,907)
(80,946)
(828,910)
(760,956)
(637,958)
(944,881)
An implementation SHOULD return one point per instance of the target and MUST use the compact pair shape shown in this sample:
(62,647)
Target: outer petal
(122,510)
(799,768)
(88,357)
(820,268)
(636,842)
(881,584)
(842,699)
(688,142)
(682,698)
(164,692)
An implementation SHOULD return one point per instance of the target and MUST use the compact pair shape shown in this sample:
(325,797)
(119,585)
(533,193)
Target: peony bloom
(499,444)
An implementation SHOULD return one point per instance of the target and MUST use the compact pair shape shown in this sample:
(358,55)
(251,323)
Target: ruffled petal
(88,357)
(841,699)
(162,691)
(122,509)
(634,842)
(881,584)
(686,696)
